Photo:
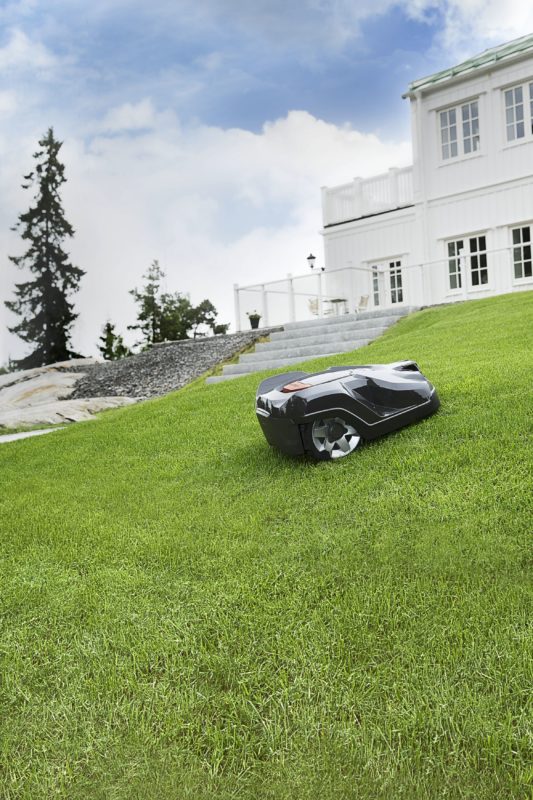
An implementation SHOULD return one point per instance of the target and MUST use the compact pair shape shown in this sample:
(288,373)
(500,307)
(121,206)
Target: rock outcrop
(76,390)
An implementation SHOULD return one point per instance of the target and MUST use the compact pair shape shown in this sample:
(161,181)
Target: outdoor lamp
(311,260)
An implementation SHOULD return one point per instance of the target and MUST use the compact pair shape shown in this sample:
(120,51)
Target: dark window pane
(527,252)
(483,260)
(482,243)
(451,248)
(517,254)
(475,279)
(453,282)
(527,269)
(484,276)
(526,234)
(516,236)
(473,245)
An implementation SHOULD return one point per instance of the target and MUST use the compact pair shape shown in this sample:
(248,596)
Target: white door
(387,287)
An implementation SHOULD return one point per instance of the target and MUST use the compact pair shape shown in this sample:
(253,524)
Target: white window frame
(470,261)
(466,128)
(522,246)
(455,259)
(387,281)
(396,282)
(511,120)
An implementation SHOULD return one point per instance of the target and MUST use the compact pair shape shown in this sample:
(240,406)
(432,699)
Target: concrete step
(318,338)
(244,369)
(308,351)
(395,313)
(313,338)
(224,378)
(332,329)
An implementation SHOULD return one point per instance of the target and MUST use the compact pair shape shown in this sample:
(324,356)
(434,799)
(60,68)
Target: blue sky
(199,131)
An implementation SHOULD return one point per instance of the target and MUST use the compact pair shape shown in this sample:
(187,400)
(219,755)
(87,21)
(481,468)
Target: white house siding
(365,243)
(485,193)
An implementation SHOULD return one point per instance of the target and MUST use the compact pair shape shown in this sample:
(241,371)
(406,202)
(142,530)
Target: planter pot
(254,322)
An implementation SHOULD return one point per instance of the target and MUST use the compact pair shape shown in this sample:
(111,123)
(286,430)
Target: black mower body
(375,399)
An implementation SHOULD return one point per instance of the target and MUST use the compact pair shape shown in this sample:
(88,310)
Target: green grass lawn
(188,614)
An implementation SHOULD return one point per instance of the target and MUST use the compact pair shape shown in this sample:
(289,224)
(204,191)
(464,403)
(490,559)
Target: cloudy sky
(199,132)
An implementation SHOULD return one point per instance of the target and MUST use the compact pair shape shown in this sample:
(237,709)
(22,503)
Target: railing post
(264,305)
(351,292)
(320,294)
(359,205)
(325,205)
(237,306)
(394,187)
(292,309)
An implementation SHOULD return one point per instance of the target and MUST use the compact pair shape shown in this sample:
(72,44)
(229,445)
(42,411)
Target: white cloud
(130,117)
(473,25)
(21,52)
(8,103)
(215,206)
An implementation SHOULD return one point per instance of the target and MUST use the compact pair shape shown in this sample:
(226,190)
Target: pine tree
(112,345)
(149,302)
(43,303)
(165,316)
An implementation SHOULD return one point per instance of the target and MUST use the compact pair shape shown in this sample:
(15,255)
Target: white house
(458,224)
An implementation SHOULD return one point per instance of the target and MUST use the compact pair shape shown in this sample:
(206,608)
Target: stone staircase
(301,341)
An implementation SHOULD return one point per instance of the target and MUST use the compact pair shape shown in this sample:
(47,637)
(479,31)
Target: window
(396,290)
(519,112)
(375,285)
(479,274)
(522,252)
(472,254)
(514,113)
(451,144)
(455,251)
(470,116)
(448,133)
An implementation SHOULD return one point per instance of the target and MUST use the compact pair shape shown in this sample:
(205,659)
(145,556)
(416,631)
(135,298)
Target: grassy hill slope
(188,614)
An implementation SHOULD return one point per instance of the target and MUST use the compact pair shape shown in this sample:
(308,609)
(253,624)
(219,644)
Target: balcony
(365,197)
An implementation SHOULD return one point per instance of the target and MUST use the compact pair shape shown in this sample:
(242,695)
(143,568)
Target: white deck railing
(349,289)
(362,197)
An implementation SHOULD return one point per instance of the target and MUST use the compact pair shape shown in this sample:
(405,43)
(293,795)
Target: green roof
(500,53)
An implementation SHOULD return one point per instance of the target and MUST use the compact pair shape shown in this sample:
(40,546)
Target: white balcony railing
(363,197)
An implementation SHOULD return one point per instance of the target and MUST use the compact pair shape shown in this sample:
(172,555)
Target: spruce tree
(150,311)
(43,303)
(112,345)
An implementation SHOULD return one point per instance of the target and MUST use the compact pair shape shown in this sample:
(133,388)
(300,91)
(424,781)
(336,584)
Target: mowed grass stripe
(187,613)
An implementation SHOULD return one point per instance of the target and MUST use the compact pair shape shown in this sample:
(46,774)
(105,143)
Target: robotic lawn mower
(327,414)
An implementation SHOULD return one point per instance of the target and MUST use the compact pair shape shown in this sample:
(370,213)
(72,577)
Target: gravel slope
(164,368)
